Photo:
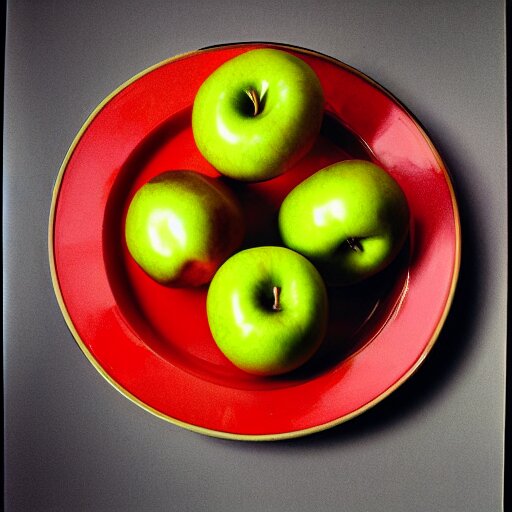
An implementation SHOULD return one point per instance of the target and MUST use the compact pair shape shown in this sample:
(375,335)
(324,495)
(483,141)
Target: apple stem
(253,95)
(354,244)
(276,291)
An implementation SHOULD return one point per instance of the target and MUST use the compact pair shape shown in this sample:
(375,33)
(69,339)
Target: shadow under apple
(357,313)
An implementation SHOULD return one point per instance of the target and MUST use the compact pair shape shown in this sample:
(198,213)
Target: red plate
(153,343)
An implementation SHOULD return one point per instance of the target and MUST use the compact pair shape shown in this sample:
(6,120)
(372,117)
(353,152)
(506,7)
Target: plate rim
(218,433)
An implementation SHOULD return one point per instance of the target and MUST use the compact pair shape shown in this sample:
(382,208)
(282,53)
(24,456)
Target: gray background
(73,443)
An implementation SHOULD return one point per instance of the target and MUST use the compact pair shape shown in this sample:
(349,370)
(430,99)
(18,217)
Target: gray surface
(73,443)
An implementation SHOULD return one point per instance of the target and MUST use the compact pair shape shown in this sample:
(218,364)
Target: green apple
(181,226)
(257,114)
(350,219)
(267,310)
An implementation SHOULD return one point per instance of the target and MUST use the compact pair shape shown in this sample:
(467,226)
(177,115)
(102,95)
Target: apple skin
(350,219)
(250,147)
(251,334)
(181,226)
